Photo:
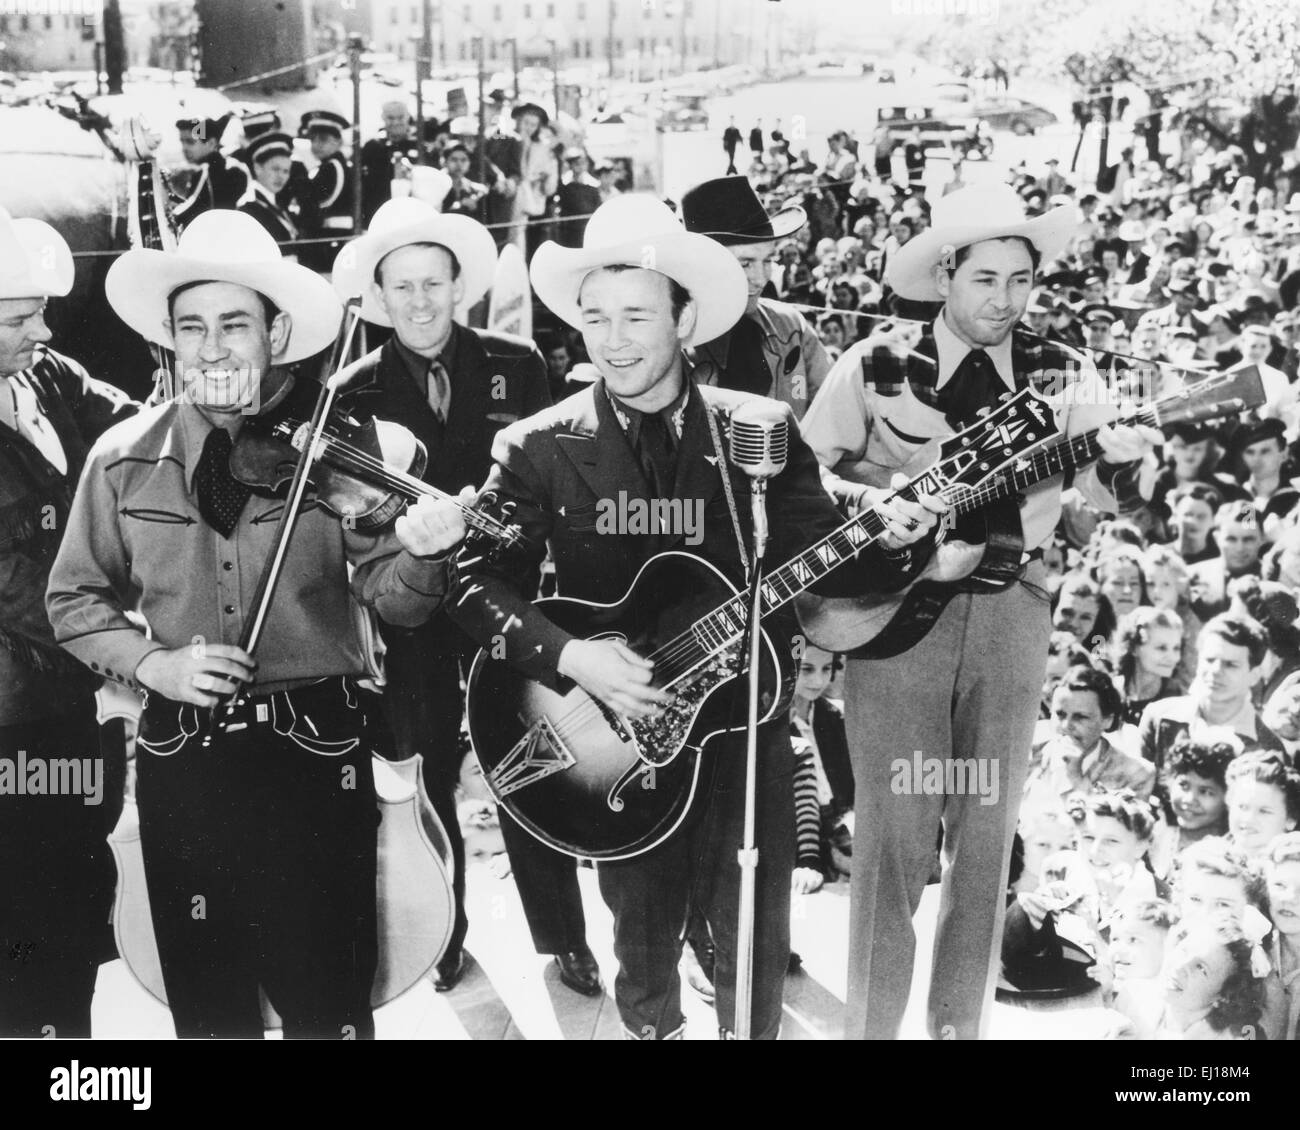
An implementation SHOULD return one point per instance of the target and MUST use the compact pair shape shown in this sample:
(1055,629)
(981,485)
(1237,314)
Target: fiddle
(365,473)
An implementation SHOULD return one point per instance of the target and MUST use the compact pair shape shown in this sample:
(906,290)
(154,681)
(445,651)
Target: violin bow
(274,566)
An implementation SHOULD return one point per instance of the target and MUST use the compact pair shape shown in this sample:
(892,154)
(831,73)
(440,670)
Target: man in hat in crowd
(455,388)
(1053,182)
(646,428)
(221,181)
(1178,314)
(327,198)
(771,350)
(382,157)
(255,125)
(979,259)
(731,139)
(270,157)
(1261,448)
(58,888)
(260,868)
(1038,313)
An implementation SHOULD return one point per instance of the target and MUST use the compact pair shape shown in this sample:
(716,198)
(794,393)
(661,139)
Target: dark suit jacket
(833,747)
(496,379)
(562,464)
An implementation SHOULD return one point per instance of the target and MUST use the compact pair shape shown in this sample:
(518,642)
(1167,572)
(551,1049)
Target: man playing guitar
(641,289)
(970,689)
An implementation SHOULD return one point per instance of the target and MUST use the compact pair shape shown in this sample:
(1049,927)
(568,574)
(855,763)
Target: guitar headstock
(1218,394)
(1017,424)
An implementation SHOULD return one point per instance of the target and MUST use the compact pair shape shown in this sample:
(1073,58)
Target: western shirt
(137,550)
(842,417)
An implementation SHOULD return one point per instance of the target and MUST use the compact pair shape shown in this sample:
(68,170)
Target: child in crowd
(1197,799)
(1263,801)
(1211,986)
(1148,646)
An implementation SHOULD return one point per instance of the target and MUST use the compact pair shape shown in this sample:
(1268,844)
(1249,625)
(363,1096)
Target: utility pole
(514,63)
(114,46)
(355,46)
(482,112)
(423,67)
(609,42)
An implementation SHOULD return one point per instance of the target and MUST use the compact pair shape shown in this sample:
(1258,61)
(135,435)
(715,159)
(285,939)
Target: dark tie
(656,446)
(974,385)
(439,391)
(221,495)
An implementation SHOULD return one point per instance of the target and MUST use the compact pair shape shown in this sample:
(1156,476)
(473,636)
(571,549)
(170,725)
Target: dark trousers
(260,862)
(654,895)
(56,875)
(424,704)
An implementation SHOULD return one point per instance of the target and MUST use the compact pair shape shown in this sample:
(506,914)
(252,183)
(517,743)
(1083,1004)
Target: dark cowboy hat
(1257,430)
(531,107)
(728,210)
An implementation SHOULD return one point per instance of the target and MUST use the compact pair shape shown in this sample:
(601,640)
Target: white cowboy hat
(968,216)
(402,221)
(35,261)
(224,246)
(637,230)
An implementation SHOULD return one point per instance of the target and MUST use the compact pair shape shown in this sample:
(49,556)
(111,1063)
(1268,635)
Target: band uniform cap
(258,123)
(638,230)
(269,145)
(222,245)
(325,120)
(205,128)
(727,209)
(35,260)
(1132,231)
(1040,302)
(971,215)
(1098,312)
(402,221)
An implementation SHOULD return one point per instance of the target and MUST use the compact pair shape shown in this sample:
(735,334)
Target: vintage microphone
(760,442)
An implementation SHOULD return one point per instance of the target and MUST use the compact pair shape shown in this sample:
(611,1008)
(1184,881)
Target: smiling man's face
(986,296)
(632,336)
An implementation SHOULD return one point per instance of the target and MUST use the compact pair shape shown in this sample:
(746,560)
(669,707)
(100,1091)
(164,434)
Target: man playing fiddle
(259,850)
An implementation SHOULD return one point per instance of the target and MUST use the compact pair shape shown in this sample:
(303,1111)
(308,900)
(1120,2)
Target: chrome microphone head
(760,438)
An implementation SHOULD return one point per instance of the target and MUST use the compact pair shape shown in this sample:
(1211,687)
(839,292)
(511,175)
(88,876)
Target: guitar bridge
(537,755)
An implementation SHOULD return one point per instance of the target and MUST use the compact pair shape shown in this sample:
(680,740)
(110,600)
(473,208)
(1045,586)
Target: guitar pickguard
(659,738)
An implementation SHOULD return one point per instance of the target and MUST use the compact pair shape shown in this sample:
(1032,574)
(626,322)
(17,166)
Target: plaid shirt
(877,412)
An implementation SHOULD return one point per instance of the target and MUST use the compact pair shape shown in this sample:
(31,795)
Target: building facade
(645,37)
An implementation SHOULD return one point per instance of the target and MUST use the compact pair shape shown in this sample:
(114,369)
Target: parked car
(1015,114)
(966,136)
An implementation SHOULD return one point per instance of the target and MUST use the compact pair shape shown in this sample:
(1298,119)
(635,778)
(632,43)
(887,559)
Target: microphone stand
(747,856)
